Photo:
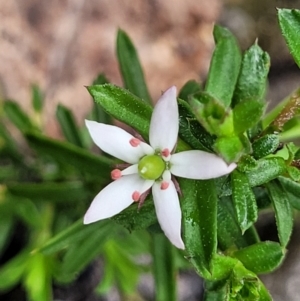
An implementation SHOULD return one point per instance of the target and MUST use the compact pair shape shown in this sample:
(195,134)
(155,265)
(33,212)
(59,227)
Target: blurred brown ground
(63,44)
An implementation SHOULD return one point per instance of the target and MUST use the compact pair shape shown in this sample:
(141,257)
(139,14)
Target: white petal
(132,169)
(114,141)
(168,212)
(114,198)
(199,165)
(165,121)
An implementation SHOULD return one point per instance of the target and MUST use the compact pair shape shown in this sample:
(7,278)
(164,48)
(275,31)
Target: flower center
(151,167)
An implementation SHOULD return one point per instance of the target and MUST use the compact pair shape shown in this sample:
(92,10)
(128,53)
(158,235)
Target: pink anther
(136,196)
(134,142)
(165,152)
(116,174)
(164,185)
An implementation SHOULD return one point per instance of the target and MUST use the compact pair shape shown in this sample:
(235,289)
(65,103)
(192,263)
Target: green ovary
(151,167)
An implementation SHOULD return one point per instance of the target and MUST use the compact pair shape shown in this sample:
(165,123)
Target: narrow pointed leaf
(68,125)
(265,145)
(130,67)
(133,218)
(267,169)
(72,235)
(51,191)
(67,153)
(6,230)
(243,200)
(82,252)
(224,66)
(37,280)
(164,269)
(98,114)
(191,131)
(289,21)
(229,231)
(200,222)
(293,191)
(261,258)
(124,106)
(247,114)
(17,116)
(283,211)
(252,80)
(12,271)
(37,98)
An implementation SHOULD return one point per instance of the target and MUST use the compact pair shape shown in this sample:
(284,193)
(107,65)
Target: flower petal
(168,212)
(115,141)
(114,198)
(165,121)
(199,165)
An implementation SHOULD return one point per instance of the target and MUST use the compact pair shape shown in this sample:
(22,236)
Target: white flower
(151,166)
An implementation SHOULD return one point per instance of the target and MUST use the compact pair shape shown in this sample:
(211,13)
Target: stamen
(136,196)
(165,152)
(164,185)
(116,174)
(134,142)
(177,187)
(143,198)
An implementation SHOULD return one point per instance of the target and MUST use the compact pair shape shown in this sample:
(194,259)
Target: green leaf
(164,270)
(49,191)
(37,98)
(293,191)
(72,235)
(283,211)
(252,80)
(124,106)
(211,113)
(82,251)
(133,218)
(37,280)
(191,131)
(130,67)
(247,114)
(26,210)
(267,169)
(12,271)
(216,291)
(262,257)
(68,125)
(289,21)
(190,87)
(119,260)
(8,146)
(265,145)
(222,267)
(229,232)
(17,116)
(238,284)
(229,148)
(98,114)
(244,200)
(67,153)
(199,210)
(6,230)
(224,66)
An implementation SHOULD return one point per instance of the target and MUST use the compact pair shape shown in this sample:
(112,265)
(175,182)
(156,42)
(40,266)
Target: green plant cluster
(48,187)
